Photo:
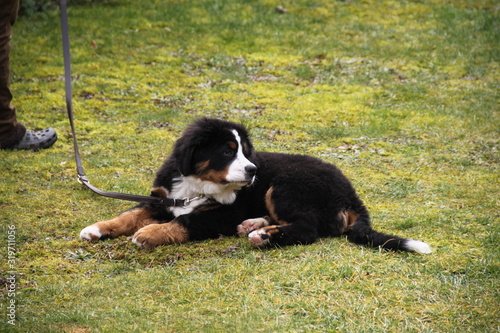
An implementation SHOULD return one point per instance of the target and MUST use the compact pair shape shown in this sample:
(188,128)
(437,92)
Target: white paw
(258,238)
(137,242)
(418,246)
(91,232)
(247,226)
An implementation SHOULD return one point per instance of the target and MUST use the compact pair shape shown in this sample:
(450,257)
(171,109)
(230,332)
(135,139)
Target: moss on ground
(401,95)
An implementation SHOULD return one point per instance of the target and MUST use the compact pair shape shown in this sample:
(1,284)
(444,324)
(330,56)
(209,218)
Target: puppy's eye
(228,152)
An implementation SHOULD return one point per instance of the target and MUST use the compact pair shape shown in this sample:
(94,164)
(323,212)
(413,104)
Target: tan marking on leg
(348,218)
(167,233)
(271,208)
(271,230)
(126,223)
(352,216)
(262,237)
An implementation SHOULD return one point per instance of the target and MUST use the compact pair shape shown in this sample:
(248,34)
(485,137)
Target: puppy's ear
(194,136)
(183,157)
(185,164)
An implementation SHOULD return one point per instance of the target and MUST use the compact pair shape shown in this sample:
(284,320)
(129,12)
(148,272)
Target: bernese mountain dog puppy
(271,198)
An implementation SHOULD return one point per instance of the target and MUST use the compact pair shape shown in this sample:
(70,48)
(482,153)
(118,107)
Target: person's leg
(11,132)
(13,135)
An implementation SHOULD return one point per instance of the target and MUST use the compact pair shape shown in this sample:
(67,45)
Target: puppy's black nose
(251,170)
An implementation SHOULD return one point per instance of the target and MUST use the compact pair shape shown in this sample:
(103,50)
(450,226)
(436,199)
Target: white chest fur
(192,187)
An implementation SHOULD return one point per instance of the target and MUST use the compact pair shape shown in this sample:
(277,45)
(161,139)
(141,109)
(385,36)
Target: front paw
(247,226)
(158,234)
(147,237)
(91,233)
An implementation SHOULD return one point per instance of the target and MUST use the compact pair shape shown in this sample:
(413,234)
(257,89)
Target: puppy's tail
(362,233)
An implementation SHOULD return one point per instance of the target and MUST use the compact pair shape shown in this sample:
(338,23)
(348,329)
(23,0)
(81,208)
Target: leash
(82,179)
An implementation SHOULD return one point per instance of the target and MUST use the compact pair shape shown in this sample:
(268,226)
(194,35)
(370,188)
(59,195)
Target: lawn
(403,96)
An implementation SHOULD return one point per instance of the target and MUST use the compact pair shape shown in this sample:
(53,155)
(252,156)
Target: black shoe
(36,140)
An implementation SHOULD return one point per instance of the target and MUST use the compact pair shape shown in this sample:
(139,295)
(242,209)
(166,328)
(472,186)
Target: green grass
(401,95)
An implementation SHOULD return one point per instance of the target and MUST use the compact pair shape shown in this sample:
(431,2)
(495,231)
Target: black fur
(310,198)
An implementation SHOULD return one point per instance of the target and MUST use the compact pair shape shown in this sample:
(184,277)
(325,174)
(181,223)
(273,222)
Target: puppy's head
(216,151)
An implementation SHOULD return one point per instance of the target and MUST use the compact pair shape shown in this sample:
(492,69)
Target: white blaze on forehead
(236,171)
(240,146)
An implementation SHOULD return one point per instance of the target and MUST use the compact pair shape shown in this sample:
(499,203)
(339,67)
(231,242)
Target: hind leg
(291,234)
(290,226)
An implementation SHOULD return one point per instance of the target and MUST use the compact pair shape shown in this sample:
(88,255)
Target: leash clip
(82,179)
(187,201)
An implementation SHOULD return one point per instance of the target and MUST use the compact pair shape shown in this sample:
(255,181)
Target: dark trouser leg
(11,131)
